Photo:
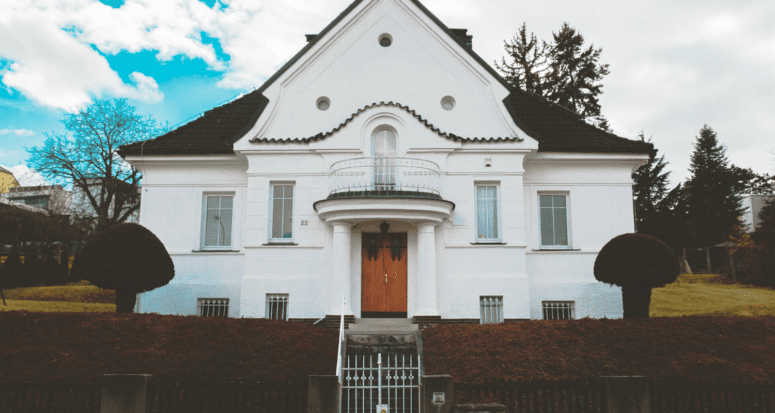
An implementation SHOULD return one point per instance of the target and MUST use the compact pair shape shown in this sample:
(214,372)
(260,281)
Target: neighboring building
(52,198)
(7,180)
(387,164)
(753,204)
(81,207)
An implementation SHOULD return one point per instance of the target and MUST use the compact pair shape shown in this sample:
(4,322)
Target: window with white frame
(277,306)
(212,307)
(487,213)
(281,212)
(491,309)
(553,216)
(559,310)
(216,229)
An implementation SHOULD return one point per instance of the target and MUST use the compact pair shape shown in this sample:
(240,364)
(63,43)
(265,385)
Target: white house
(389,165)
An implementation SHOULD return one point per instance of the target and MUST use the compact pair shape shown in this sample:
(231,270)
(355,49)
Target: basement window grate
(559,310)
(491,309)
(277,307)
(212,307)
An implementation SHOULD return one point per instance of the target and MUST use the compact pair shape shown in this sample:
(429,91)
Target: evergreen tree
(563,72)
(9,277)
(574,75)
(649,189)
(529,62)
(713,204)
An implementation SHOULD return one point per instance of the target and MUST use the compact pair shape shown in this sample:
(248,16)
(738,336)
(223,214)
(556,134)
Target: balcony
(377,177)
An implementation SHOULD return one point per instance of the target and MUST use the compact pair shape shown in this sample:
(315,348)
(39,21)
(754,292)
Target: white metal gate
(372,379)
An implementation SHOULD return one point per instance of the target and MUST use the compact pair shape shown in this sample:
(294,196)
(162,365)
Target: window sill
(555,249)
(273,243)
(488,243)
(205,251)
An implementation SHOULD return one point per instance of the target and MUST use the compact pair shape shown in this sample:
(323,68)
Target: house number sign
(304,222)
(438,397)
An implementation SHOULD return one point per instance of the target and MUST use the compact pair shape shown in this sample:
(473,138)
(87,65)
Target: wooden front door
(384,275)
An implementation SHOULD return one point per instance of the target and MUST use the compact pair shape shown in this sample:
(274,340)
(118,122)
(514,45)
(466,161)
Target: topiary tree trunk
(636,301)
(125,300)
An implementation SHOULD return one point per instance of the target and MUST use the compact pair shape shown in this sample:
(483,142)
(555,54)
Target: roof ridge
(323,135)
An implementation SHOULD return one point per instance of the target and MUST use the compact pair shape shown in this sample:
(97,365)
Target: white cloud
(17,132)
(26,176)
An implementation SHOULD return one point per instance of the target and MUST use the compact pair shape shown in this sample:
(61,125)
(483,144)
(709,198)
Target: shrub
(127,258)
(11,271)
(637,263)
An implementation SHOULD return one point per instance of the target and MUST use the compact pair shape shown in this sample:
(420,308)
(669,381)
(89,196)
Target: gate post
(627,394)
(437,384)
(323,394)
(124,393)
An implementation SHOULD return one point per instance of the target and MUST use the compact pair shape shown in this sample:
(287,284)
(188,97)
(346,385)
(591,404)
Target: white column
(341,271)
(426,277)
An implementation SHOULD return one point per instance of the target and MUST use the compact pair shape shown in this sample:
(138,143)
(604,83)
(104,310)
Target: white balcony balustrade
(383,174)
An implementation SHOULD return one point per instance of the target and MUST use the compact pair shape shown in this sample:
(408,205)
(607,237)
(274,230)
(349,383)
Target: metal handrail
(339,355)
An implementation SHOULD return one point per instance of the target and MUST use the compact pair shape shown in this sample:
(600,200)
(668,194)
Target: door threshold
(375,314)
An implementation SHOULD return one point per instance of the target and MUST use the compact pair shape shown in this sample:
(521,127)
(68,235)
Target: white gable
(349,66)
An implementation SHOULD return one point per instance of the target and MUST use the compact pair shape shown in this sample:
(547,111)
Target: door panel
(384,273)
(394,259)
(372,275)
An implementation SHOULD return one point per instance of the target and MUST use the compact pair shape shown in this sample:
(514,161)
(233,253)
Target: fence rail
(730,397)
(55,397)
(536,397)
(227,397)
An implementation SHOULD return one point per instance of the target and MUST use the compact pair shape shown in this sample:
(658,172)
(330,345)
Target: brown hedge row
(694,347)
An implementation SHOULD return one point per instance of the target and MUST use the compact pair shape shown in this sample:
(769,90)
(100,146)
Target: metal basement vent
(491,309)
(398,377)
(559,310)
(277,307)
(212,307)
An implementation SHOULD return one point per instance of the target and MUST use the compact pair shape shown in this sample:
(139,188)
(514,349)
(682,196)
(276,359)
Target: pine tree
(530,61)
(574,75)
(713,205)
(649,189)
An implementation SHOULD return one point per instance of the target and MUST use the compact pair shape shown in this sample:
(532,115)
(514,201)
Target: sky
(674,66)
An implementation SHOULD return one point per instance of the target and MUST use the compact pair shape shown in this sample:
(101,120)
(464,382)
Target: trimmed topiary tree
(127,258)
(637,263)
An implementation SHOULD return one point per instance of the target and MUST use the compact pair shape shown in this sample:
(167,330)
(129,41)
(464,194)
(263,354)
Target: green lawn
(74,297)
(56,306)
(711,294)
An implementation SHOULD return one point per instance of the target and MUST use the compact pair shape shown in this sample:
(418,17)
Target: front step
(384,321)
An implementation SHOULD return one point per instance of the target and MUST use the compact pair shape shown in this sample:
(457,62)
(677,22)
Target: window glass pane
(546,201)
(288,191)
(481,218)
(491,192)
(278,192)
(288,218)
(559,201)
(213,201)
(547,227)
(225,227)
(494,218)
(226,202)
(560,227)
(211,228)
(277,217)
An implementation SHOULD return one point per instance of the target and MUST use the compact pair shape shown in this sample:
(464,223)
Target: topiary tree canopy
(637,263)
(127,258)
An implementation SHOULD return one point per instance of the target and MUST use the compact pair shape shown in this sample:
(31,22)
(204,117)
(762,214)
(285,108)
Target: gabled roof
(555,128)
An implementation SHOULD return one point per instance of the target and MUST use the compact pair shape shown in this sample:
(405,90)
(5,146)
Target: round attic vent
(385,40)
(323,103)
(448,103)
